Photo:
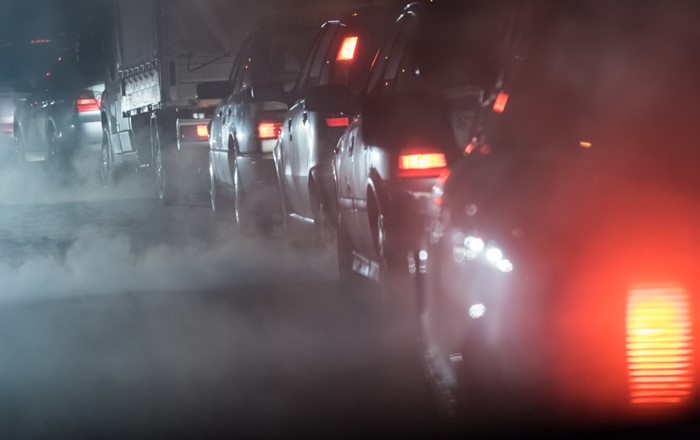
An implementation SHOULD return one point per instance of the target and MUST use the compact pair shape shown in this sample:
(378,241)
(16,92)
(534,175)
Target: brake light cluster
(421,162)
(659,346)
(269,129)
(87,102)
(193,133)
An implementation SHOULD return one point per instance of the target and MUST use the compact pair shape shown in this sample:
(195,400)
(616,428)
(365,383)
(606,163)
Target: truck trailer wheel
(162,167)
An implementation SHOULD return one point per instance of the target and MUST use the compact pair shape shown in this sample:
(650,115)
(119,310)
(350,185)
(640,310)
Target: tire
(162,169)
(55,161)
(220,206)
(106,163)
(323,232)
(350,281)
(397,289)
(19,156)
(236,208)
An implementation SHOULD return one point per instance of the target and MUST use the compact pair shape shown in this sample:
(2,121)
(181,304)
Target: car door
(223,127)
(343,168)
(295,131)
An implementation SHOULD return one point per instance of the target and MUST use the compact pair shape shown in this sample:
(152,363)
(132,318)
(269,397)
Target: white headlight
(474,244)
(494,255)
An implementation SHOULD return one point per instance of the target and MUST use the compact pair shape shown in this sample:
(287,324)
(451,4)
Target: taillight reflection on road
(659,346)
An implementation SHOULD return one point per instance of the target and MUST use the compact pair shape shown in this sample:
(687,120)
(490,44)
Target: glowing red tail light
(421,162)
(499,106)
(338,121)
(87,102)
(203,131)
(269,130)
(347,49)
(659,346)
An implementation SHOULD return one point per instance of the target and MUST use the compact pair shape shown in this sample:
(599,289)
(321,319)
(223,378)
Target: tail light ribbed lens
(659,346)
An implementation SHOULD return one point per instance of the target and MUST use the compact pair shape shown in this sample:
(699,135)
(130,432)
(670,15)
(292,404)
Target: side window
(348,60)
(62,70)
(382,58)
(306,68)
(240,65)
(320,56)
(401,58)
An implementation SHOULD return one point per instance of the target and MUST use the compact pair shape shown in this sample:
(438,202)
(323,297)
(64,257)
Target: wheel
(106,163)
(397,288)
(54,158)
(322,229)
(237,197)
(19,156)
(166,192)
(220,207)
(349,279)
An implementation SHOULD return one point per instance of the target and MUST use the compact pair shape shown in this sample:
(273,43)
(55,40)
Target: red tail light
(338,121)
(203,131)
(499,106)
(659,346)
(87,102)
(347,49)
(421,162)
(269,130)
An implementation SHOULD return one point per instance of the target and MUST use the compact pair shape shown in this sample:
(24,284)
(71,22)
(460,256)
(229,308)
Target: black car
(245,126)
(432,86)
(559,268)
(59,122)
(339,59)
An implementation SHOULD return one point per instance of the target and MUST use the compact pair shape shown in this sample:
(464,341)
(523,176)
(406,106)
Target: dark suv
(339,60)
(559,264)
(59,122)
(431,87)
(245,126)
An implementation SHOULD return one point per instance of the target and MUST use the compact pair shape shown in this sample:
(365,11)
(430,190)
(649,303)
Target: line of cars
(518,179)
(512,177)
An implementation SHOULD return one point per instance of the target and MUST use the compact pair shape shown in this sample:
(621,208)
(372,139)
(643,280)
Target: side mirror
(213,90)
(23,87)
(331,99)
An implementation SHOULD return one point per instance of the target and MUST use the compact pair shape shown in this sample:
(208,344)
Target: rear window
(23,61)
(276,57)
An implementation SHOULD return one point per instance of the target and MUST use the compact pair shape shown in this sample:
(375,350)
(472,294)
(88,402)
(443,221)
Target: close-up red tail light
(87,102)
(347,49)
(269,130)
(203,131)
(343,121)
(421,162)
(659,346)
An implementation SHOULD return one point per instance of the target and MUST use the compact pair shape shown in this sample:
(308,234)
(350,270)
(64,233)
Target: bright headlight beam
(494,255)
(474,244)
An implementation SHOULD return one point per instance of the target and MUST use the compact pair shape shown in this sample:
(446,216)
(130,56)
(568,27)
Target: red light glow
(421,162)
(338,122)
(499,106)
(203,131)
(347,49)
(87,102)
(269,130)
(659,346)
